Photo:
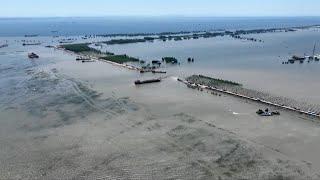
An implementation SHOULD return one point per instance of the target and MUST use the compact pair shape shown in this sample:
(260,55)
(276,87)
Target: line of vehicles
(266,112)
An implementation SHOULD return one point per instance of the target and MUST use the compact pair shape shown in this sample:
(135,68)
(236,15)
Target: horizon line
(159,16)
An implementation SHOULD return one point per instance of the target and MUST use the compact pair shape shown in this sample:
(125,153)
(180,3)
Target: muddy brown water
(61,119)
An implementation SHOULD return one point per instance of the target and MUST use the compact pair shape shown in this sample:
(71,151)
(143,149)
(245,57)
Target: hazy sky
(58,8)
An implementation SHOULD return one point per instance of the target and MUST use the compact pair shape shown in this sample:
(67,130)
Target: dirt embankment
(239,89)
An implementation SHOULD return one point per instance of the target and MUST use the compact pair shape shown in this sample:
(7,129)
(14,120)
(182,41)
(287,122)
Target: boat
(160,72)
(298,58)
(49,46)
(144,70)
(67,41)
(190,59)
(31,35)
(156,62)
(314,56)
(31,44)
(291,61)
(138,82)
(82,59)
(313,52)
(33,56)
(4,45)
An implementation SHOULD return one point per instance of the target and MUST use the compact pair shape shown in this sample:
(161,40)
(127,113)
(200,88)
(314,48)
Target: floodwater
(62,119)
(256,65)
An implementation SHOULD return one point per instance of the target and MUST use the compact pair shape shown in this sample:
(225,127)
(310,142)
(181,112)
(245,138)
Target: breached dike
(130,67)
(252,95)
(84,51)
(87,54)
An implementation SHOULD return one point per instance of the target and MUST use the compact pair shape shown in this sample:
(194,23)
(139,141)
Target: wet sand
(61,119)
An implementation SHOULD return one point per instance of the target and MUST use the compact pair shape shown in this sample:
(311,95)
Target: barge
(138,82)
(31,44)
(160,72)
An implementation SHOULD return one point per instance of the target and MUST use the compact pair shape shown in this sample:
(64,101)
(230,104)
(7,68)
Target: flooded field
(61,118)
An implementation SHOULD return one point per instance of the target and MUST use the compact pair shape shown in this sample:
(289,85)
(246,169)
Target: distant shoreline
(119,39)
(77,26)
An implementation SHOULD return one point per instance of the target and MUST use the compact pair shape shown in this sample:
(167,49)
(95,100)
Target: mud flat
(236,89)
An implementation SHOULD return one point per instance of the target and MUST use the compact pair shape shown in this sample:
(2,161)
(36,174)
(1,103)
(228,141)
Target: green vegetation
(171,60)
(120,59)
(85,49)
(78,48)
(185,35)
(149,38)
(124,41)
(162,37)
(146,34)
(209,81)
(178,38)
